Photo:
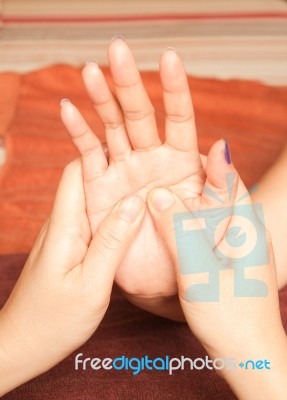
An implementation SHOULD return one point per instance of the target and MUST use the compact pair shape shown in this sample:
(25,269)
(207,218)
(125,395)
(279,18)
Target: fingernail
(162,199)
(92,62)
(64,101)
(130,208)
(118,37)
(227,154)
(169,49)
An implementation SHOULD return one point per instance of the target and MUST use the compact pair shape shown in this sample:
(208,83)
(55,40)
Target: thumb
(111,242)
(221,177)
(58,240)
(184,236)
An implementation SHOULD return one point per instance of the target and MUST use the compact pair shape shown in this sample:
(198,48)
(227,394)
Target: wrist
(261,368)
(13,352)
(21,358)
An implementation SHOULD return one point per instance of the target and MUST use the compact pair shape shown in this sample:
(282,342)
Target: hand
(64,289)
(138,162)
(232,309)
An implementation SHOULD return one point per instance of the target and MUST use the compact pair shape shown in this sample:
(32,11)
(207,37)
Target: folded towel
(250,115)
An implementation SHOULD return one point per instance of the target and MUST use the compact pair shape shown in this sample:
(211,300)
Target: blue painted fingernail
(227,154)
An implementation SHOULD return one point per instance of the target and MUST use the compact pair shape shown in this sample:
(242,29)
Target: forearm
(258,385)
(272,194)
(261,382)
(16,361)
(13,371)
(23,357)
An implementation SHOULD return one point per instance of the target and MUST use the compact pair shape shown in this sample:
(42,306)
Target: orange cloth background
(254,120)
(250,115)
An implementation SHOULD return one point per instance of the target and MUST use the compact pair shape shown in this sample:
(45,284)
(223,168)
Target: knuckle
(82,133)
(128,85)
(110,238)
(180,118)
(88,151)
(137,115)
(113,125)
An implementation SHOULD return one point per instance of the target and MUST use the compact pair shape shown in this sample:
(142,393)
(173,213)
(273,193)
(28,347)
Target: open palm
(138,161)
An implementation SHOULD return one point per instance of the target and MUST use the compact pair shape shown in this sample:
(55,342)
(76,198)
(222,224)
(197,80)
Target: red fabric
(127,331)
(251,116)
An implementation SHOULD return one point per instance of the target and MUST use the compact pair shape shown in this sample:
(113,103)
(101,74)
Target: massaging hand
(138,162)
(232,309)
(64,289)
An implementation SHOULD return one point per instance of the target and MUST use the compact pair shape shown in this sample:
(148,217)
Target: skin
(241,327)
(272,194)
(64,289)
(138,162)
